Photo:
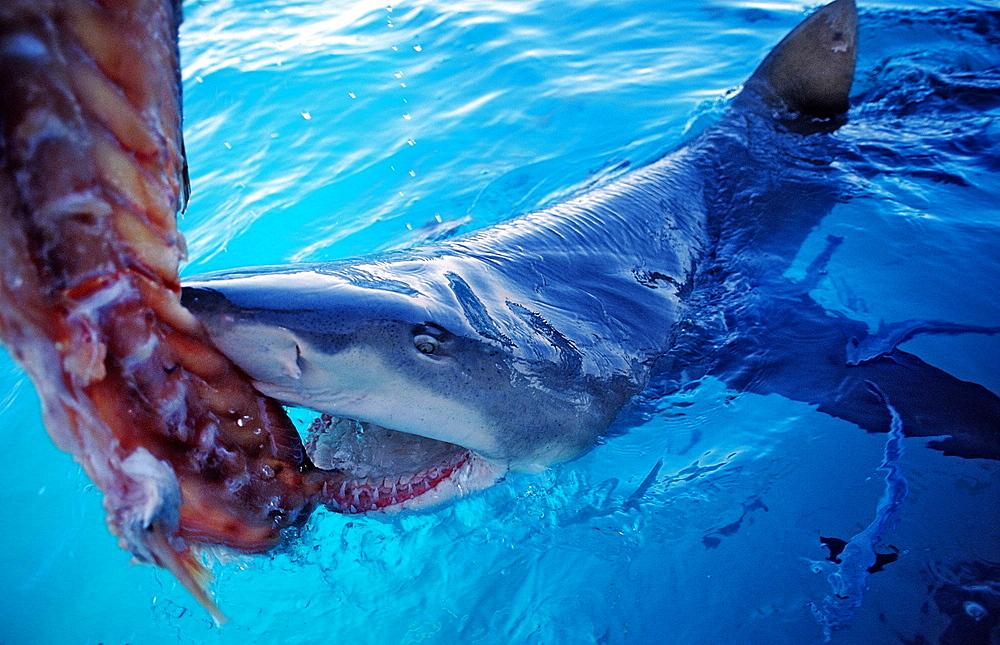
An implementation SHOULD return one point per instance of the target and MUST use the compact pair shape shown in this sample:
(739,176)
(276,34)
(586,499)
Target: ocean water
(320,130)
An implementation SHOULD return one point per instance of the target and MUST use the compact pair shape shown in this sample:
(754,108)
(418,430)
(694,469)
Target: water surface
(320,130)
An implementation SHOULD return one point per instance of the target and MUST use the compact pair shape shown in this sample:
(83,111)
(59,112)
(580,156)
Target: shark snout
(204,301)
(267,353)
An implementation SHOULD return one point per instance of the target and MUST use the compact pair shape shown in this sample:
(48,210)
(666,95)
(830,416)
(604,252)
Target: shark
(438,369)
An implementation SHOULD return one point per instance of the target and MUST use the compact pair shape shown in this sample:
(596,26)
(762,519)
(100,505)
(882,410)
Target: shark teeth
(378,493)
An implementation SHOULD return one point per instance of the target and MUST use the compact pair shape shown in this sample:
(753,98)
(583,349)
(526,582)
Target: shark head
(423,365)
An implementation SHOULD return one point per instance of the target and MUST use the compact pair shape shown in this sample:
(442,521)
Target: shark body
(517,346)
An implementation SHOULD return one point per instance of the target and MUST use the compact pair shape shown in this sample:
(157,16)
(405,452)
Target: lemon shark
(514,347)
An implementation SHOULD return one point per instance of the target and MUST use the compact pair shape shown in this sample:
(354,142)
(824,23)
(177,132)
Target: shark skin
(516,346)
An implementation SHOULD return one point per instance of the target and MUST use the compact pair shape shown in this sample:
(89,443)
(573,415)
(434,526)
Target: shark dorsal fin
(811,70)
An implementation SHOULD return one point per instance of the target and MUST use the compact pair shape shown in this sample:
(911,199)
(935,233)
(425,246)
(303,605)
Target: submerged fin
(963,417)
(811,70)
(888,337)
(799,350)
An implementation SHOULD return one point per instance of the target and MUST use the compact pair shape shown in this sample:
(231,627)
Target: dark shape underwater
(836,547)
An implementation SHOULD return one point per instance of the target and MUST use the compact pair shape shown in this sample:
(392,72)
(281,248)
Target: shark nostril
(299,361)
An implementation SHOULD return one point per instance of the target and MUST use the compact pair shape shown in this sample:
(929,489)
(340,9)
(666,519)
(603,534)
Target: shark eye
(426,344)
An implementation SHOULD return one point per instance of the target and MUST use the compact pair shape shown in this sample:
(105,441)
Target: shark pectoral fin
(888,337)
(800,353)
(931,402)
(810,72)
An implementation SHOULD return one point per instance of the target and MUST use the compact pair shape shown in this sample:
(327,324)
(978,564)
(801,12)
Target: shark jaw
(387,470)
(397,445)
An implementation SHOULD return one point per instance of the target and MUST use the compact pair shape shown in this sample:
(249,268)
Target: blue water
(319,129)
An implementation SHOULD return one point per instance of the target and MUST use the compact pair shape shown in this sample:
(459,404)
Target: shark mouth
(388,470)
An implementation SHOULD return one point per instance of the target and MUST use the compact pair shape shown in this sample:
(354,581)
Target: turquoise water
(319,130)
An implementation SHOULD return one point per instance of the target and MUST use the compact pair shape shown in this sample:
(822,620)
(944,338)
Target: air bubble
(975,611)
